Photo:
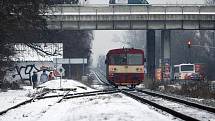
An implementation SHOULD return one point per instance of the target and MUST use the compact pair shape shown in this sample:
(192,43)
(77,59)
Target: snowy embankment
(56,85)
(66,84)
(14,97)
(110,107)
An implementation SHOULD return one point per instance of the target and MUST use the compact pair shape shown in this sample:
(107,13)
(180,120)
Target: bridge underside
(131,25)
(132,17)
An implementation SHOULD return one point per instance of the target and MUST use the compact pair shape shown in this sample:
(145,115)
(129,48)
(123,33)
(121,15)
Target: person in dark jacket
(34,79)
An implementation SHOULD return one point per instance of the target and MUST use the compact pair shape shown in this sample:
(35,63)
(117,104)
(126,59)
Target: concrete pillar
(165,54)
(150,51)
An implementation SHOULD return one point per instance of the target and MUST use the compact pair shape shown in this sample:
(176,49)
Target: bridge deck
(131,17)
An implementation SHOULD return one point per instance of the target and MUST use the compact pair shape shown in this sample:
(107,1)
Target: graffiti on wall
(24,70)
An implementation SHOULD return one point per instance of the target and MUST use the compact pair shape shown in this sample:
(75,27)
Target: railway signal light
(189,44)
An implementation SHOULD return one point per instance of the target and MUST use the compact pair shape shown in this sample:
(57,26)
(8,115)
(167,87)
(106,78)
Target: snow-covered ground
(76,86)
(113,107)
(13,97)
(65,83)
(110,107)
(196,113)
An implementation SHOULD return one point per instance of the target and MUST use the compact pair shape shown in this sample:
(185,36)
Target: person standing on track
(34,79)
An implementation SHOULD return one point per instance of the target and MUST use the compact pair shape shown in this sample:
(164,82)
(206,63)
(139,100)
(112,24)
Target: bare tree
(76,44)
(19,20)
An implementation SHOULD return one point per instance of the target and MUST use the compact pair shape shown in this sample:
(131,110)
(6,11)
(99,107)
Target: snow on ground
(65,83)
(185,109)
(29,112)
(13,97)
(114,107)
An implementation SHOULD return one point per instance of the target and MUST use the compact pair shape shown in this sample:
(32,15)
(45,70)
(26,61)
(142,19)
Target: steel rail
(82,93)
(98,76)
(101,72)
(196,105)
(64,96)
(24,102)
(107,82)
(168,110)
(93,94)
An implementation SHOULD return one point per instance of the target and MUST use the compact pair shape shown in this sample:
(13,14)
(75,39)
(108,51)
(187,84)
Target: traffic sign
(61,70)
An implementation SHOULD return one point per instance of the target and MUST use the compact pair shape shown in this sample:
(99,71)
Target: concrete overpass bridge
(135,17)
(131,17)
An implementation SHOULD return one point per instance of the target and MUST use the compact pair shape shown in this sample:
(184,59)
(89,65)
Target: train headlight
(113,69)
(139,69)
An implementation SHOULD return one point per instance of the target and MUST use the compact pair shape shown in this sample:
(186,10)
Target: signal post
(189,49)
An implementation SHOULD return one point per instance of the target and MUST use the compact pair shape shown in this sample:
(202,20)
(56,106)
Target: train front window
(187,67)
(130,59)
(135,59)
(118,59)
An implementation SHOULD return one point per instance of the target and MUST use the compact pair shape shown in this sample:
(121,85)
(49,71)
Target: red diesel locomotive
(125,66)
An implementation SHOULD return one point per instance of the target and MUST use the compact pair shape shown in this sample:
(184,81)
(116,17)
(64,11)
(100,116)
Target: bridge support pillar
(166,54)
(150,58)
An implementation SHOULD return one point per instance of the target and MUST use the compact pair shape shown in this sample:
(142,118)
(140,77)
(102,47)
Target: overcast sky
(103,39)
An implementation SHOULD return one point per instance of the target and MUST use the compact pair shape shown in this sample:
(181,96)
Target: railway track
(92,93)
(196,105)
(66,95)
(177,107)
(25,102)
(101,79)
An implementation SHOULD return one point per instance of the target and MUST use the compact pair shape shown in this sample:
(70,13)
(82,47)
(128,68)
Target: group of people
(43,77)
